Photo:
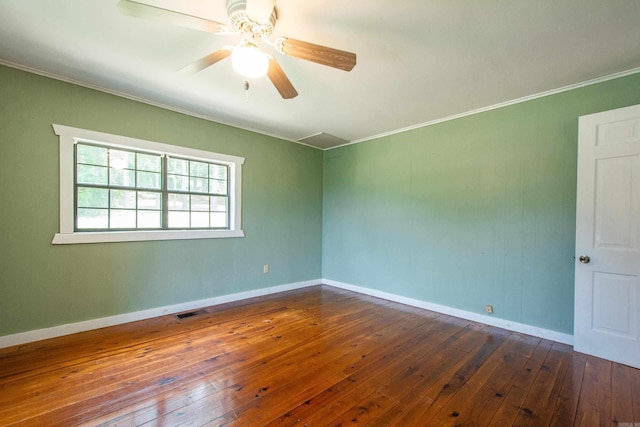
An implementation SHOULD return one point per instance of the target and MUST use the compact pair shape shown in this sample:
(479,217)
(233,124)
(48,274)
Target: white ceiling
(418,61)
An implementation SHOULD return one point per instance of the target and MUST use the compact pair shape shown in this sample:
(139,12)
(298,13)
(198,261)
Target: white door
(607,288)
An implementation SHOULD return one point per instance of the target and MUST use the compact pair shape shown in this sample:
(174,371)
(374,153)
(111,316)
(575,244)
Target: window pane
(92,155)
(122,188)
(149,219)
(218,204)
(122,159)
(123,199)
(178,166)
(199,169)
(178,219)
(219,220)
(92,175)
(149,162)
(217,186)
(218,171)
(149,180)
(92,218)
(148,200)
(199,185)
(122,177)
(200,203)
(93,197)
(178,202)
(200,219)
(177,183)
(123,219)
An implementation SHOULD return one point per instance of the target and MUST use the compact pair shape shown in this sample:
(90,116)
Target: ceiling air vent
(323,140)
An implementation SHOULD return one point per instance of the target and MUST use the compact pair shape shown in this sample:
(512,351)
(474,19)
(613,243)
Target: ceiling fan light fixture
(249,61)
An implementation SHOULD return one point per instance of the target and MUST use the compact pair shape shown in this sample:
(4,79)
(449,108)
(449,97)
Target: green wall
(44,285)
(469,212)
(474,211)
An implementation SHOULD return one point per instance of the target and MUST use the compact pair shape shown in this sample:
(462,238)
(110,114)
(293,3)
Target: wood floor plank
(634,379)
(405,352)
(259,359)
(239,349)
(490,397)
(444,376)
(594,407)
(125,369)
(365,411)
(511,405)
(564,412)
(545,390)
(621,395)
(305,361)
(310,357)
(482,393)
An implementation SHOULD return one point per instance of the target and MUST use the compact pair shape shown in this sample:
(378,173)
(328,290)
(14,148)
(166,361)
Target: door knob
(584,259)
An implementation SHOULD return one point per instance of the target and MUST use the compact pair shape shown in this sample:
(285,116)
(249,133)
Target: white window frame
(68,136)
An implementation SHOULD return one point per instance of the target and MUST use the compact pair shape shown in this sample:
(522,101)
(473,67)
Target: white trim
(143,100)
(463,314)
(68,136)
(73,328)
(496,106)
(141,236)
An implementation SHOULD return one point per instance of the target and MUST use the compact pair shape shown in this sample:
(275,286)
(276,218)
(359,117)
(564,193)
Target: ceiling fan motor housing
(240,22)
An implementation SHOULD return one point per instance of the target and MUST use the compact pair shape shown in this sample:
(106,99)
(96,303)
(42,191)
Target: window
(118,189)
(115,188)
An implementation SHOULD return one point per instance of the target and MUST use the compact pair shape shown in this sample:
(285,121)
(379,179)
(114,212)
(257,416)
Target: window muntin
(118,189)
(123,183)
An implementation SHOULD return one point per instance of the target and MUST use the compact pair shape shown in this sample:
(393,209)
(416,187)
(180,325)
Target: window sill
(141,236)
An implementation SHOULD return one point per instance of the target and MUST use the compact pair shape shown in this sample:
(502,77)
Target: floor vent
(190,314)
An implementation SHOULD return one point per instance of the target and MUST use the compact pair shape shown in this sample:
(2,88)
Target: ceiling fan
(254,20)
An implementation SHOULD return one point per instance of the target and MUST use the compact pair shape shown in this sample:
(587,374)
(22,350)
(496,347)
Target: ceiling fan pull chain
(246,90)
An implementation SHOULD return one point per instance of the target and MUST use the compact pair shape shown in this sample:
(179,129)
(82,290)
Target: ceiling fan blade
(319,54)
(260,10)
(280,80)
(205,62)
(158,14)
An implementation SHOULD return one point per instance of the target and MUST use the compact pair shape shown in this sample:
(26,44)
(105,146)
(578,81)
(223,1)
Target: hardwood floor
(318,356)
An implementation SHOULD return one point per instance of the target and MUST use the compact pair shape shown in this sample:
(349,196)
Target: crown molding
(496,106)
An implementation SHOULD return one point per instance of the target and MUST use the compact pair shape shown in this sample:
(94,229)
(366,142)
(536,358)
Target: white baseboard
(72,328)
(463,314)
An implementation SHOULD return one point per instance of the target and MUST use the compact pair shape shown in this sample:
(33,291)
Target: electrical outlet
(265,268)
(489,309)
